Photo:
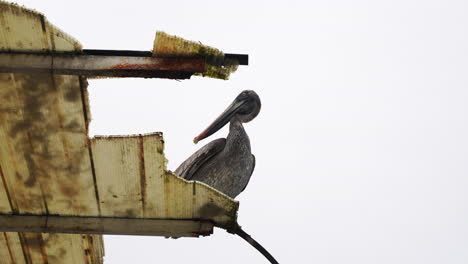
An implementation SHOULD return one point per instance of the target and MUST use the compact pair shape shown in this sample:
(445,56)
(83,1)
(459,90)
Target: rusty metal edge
(101,66)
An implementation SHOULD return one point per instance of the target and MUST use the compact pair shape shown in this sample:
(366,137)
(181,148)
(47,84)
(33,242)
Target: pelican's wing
(251,172)
(190,166)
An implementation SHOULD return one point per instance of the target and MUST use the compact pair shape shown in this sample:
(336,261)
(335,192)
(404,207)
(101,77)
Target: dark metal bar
(135,53)
(243,59)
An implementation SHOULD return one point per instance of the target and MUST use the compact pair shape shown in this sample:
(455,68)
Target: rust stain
(88,249)
(43,250)
(166,64)
(25,247)
(142,174)
(33,241)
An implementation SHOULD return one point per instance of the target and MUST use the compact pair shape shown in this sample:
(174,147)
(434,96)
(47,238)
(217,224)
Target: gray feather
(190,166)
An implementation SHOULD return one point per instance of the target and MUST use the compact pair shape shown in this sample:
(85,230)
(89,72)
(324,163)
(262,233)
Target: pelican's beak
(221,121)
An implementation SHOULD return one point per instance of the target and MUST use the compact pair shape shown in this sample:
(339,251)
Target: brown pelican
(225,163)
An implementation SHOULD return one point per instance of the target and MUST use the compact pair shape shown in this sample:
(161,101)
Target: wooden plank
(117,166)
(97,245)
(42,248)
(14,247)
(45,161)
(19,30)
(48,248)
(73,184)
(33,248)
(22,29)
(152,147)
(101,225)
(5,255)
(16,154)
(5,206)
(94,251)
(61,248)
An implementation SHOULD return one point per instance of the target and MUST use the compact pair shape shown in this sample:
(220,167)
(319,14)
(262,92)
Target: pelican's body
(225,163)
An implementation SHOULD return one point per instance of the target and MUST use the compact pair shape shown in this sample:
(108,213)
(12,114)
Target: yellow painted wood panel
(45,161)
(5,255)
(118,168)
(70,175)
(42,248)
(33,248)
(131,175)
(44,155)
(17,153)
(12,242)
(44,126)
(94,250)
(22,29)
(60,248)
(189,199)
(155,167)
(214,205)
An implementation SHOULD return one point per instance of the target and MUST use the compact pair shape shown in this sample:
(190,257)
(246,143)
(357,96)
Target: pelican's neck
(237,136)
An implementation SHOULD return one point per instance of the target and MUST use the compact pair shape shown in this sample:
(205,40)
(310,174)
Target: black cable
(238,231)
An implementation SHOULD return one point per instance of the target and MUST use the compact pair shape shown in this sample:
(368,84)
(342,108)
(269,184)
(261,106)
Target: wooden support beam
(104,225)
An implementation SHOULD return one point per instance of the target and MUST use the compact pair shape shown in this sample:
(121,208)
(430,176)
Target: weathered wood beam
(104,225)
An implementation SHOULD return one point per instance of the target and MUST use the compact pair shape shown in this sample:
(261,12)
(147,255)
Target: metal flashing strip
(105,225)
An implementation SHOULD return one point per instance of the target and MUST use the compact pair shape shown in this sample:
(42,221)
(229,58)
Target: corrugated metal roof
(49,166)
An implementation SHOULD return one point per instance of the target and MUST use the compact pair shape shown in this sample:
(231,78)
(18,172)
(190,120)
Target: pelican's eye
(246,108)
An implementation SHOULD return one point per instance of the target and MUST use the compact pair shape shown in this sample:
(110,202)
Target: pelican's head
(245,107)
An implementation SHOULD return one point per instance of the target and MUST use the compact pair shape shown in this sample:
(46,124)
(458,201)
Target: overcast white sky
(361,144)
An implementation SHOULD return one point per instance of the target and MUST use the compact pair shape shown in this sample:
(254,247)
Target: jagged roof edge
(32,12)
